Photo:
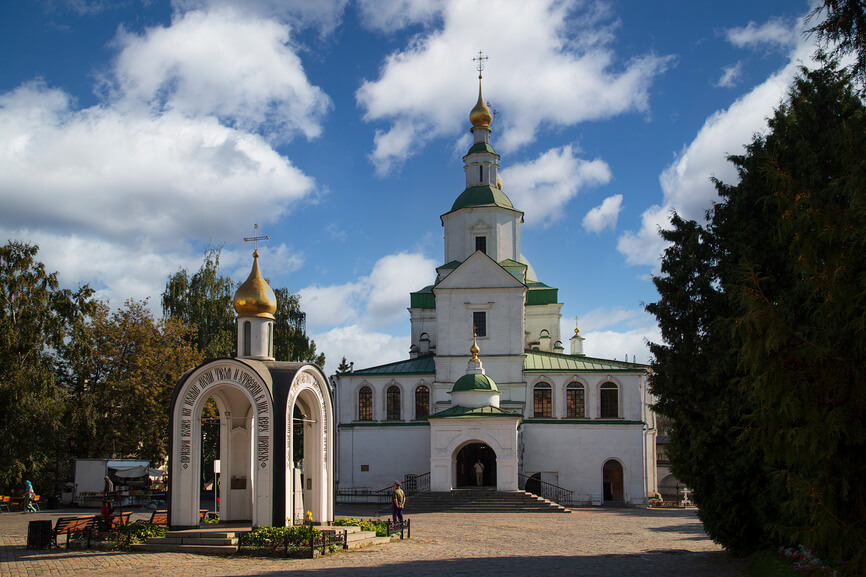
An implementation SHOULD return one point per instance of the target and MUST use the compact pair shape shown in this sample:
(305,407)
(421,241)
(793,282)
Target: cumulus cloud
(360,345)
(137,183)
(774,33)
(376,301)
(730,75)
(604,215)
(227,64)
(686,183)
(396,14)
(542,187)
(550,78)
(322,14)
(613,333)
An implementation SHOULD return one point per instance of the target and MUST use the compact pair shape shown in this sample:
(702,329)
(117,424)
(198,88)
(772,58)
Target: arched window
(609,397)
(365,404)
(422,402)
(248,337)
(542,401)
(575,401)
(393,401)
(270,339)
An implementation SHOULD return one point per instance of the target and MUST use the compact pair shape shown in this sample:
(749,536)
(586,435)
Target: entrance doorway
(612,481)
(466,459)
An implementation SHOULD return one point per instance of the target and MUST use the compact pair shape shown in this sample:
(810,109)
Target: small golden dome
(255,298)
(474,349)
(498,182)
(480,115)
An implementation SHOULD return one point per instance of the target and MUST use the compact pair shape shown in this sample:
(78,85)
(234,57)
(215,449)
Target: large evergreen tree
(762,313)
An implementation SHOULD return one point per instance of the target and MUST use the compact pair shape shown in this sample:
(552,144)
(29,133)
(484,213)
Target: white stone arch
(625,475)
(311,394)
(246,444)
(356,399)
(587,395)
(384,401)
(619,396)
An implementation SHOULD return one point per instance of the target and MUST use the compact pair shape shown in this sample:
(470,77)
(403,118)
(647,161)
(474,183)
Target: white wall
(390,451)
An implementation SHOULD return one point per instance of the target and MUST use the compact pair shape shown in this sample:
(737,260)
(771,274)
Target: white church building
(508,396)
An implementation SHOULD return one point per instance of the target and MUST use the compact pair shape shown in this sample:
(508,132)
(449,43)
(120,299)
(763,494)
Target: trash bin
(39,535)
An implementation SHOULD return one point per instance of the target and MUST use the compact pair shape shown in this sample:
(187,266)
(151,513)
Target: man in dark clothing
(398,500)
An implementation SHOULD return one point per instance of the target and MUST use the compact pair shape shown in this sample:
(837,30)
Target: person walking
(398,501)
(29,494)
(479,472)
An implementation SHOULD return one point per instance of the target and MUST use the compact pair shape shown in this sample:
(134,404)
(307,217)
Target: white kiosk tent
(260,402)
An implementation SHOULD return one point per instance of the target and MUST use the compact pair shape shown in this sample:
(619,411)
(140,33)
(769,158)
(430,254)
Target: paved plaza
(588,542)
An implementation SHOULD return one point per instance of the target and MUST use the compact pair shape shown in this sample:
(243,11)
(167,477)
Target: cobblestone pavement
(587,543)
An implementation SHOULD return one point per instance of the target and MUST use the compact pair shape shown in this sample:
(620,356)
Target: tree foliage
(844,29)
(762,313)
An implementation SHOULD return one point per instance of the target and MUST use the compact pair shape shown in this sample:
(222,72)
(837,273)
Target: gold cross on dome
(255,239)
(480,59)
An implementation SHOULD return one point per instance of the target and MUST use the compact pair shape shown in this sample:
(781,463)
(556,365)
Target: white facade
(602,452)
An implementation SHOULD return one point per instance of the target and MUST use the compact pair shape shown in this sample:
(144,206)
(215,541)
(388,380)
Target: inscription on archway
(222,375)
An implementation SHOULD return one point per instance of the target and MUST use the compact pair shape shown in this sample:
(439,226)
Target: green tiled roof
(543,362)
(466,412)
(423,299)
(474,383)
(481,196)
(419,366)
(452,264)
(540,294)
(481,147)
(514,268)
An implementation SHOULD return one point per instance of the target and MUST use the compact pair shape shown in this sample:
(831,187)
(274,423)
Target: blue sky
(135,135)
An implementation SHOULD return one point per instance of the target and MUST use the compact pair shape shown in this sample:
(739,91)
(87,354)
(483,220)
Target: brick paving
(587,543)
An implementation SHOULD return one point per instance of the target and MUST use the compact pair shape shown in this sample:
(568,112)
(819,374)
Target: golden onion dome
(498,182)
(255,298)
(474,349)
(480,115)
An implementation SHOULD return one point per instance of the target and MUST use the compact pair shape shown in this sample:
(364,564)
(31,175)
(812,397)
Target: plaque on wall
(239,483)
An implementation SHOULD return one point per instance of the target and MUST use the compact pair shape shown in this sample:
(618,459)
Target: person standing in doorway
(398,501)
(479,472)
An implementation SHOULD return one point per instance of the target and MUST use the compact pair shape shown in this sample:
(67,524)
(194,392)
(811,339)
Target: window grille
(542,405)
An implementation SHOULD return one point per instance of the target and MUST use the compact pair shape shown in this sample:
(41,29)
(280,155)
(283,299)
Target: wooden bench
(118,520)
(4,502)
(71,525)
(160,517)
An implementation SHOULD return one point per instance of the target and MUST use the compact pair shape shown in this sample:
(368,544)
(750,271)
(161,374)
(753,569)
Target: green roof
(540,294)
(423,299)
(419,366)
(466,412)
(476,382)
(452,264)
(481,147)
(544,362)
(481,196)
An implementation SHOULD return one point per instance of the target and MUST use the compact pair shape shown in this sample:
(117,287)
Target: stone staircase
(481,501)
(217,542)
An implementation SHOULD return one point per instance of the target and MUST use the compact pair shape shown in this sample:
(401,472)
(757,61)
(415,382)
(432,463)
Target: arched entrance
(309,467)
(466,459)
(612,481)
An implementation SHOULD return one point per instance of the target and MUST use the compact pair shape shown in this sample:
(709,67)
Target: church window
(365,404)
(609,396)
(481,243)
(481,173)
(248,337)
(270,339)
(479,323)
(422,402)
(542,401)
(575,402)
(393,402)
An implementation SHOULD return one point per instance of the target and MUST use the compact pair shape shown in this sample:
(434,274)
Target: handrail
(549,491)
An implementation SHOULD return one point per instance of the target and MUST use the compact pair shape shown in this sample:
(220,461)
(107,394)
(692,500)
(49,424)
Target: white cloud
(392,279)
(536,74)
(604,215)
(332,305)
(361,346)
(612,333)
(322,14)
(233,66)
(775,33)
(686,183)
(730,75)
(542,187)
(396,14)
(130,178)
